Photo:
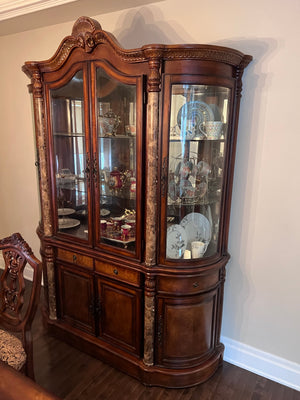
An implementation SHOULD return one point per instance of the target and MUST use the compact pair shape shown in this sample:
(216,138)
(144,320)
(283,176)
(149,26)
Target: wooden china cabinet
(135,157)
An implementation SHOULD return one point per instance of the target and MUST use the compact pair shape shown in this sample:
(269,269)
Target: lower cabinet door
(120,319)
(185,329)
(76,298)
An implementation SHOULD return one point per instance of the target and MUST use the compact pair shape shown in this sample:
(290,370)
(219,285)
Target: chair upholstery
(17,310)
(11,350)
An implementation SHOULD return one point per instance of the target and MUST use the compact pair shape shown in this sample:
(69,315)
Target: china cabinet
(135,157)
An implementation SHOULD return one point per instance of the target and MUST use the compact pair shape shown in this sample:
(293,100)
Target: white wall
(262,296)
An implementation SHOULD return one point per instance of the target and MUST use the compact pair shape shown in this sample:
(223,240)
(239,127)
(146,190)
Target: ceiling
(22,15)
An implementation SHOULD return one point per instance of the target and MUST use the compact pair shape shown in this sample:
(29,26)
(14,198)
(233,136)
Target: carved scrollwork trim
(85,24)
(16,240)
(87,34)
(15,250)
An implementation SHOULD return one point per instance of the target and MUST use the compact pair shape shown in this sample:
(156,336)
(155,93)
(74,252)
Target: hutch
(135,157)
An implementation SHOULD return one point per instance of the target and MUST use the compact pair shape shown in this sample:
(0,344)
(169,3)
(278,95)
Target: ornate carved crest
(87,34)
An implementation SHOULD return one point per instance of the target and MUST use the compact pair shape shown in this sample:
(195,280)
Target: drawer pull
(195,284)
(116,271)
(74,258)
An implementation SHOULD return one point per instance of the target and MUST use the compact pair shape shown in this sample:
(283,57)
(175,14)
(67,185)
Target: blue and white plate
(190,117)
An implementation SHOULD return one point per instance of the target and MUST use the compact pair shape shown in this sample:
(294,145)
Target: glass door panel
(116,141)
(67,106)
(197,141)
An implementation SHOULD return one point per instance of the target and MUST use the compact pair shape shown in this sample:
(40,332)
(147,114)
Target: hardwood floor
(73,375)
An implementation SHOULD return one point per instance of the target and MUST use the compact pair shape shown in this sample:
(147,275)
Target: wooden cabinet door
(120,319)
(185,329)
(76,298)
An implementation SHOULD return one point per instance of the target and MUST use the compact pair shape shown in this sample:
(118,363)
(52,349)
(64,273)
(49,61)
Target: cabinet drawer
(116,271)
(189,285)
(75,258)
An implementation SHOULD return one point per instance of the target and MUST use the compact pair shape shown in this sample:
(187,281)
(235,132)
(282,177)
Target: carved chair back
(17,311)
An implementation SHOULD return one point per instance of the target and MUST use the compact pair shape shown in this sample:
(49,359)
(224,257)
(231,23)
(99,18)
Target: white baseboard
(267,365)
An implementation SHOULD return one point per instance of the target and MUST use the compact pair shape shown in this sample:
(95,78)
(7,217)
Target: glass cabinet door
(198,125)
(117,160)
(69,153)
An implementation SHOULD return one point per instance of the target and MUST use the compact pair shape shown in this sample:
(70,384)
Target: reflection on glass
(70,154)
(116,107)
(198,131)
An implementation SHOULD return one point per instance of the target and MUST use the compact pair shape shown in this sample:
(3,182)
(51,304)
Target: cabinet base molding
(134,366)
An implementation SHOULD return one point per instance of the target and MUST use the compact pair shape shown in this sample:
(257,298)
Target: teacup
(109,228)
(103,225)
(213,129)
(187,254)
(125,230)
(198,249)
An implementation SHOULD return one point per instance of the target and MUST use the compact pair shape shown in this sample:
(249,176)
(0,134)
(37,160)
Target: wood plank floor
(73,375)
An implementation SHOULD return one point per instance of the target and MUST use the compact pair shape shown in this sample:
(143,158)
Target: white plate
(197,228)
(176,241)
(66,223)
(65,211)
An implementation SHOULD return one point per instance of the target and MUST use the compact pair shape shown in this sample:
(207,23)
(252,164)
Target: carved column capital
(37,86)
(154,77)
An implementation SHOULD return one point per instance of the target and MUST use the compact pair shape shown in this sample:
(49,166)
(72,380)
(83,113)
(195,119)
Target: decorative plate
(66,223)
(65,211)
(176,241)
(190,117)
(197,227)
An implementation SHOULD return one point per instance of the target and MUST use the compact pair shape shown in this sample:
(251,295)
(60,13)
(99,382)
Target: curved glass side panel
(198,132)
(116,136)
(67,110)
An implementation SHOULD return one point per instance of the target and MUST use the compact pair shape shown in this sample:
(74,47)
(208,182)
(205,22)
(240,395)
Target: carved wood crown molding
(16,240)
(87,34)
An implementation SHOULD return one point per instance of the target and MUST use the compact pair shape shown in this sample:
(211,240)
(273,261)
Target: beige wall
(262,296)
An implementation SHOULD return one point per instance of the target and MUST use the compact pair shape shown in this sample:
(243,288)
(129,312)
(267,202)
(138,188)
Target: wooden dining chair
(17,310)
